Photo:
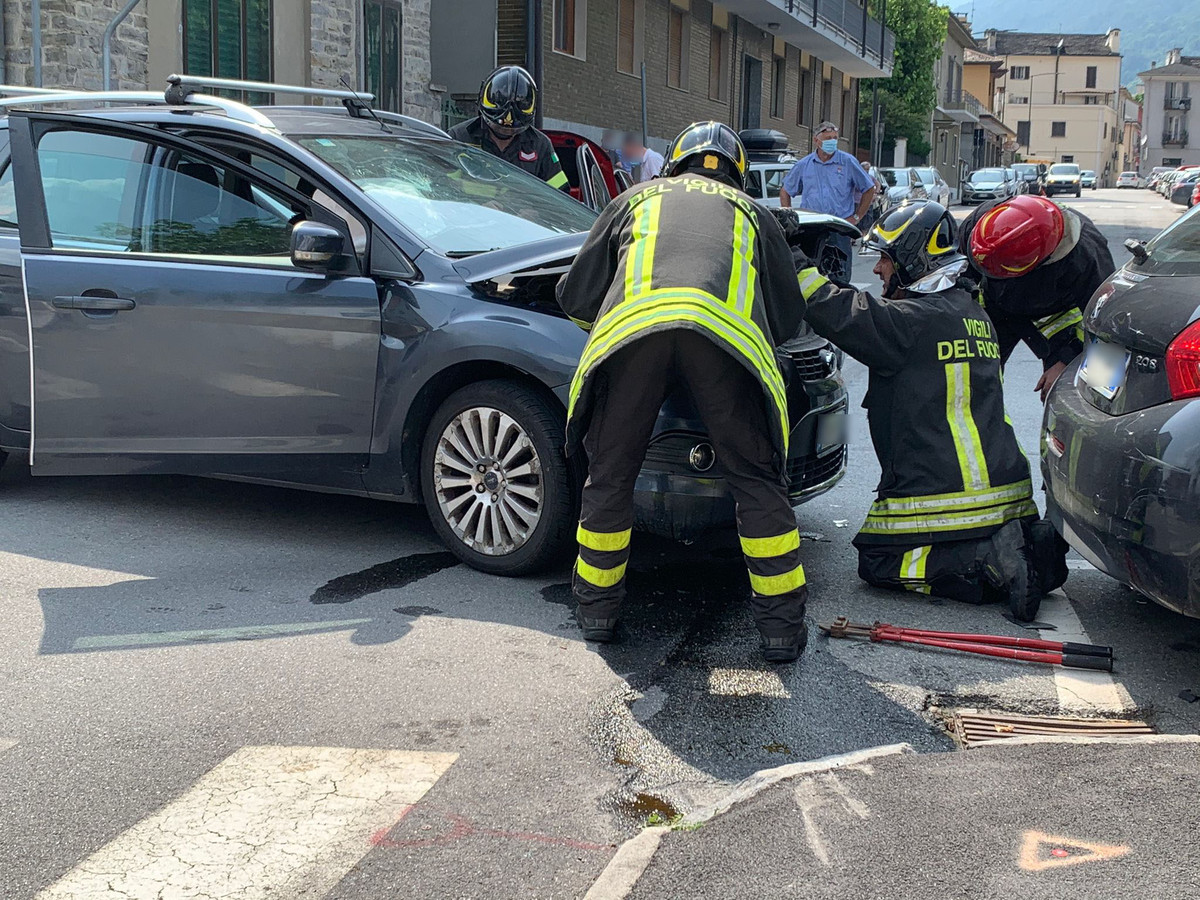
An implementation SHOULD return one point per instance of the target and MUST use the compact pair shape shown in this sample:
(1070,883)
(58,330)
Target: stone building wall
(72,44)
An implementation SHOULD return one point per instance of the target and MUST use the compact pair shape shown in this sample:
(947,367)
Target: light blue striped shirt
(827,187)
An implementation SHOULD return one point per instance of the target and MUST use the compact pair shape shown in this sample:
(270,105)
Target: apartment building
(1131,137)
(1166,110)
(749,63)
(1060,94)
(994,143)
(381,46)
(957,112)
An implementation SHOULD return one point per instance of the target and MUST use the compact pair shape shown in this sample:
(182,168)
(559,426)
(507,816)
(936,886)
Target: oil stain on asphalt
(396,573)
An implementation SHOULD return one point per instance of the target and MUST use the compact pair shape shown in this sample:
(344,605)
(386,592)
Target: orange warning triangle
(1040,851)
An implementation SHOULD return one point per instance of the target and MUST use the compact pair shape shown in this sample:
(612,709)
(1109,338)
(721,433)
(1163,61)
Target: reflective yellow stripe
(601,540)
(1019,490)
(811,281)
(740,295)
(774,585)
(967,445)
(1052,325)
(586,326)
(912,568)
(764,548)
(949,521)
(600,577)
(639,266)
(557,180)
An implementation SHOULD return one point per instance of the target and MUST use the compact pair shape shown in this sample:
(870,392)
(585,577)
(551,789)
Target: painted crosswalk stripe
(202,635)
(268,822)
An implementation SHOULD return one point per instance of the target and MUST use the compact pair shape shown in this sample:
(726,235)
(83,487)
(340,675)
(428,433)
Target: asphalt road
(249,692)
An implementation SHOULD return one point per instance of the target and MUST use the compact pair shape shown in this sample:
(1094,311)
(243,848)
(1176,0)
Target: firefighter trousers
(631,387)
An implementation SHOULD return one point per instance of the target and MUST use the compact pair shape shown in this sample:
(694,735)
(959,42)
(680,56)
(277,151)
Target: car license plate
(1104,367)
(831,430)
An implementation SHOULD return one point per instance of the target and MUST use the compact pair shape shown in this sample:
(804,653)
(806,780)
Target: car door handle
(99,304)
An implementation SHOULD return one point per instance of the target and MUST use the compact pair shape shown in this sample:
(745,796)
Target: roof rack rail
(17,90)
(239,112)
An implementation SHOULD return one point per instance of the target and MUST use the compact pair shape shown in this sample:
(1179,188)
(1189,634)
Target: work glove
(802,260)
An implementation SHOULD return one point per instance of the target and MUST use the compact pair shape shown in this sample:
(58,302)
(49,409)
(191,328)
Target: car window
(111,193)
(754,184)
(895,177)
(459,199)
(926,175)
(1176,250)
(984,175)
(8,199)
(775,182)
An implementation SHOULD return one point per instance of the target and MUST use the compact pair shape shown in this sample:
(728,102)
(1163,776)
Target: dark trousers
(630,389)
(953,569)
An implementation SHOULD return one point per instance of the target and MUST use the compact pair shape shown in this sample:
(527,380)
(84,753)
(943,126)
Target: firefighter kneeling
(954,514)
(686,283)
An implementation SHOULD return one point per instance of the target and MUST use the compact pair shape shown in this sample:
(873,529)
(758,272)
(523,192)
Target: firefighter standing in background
(1040,264)
(954,512)
(504,126)
(686,283)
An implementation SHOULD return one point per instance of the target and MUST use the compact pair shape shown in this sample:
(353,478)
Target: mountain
(1148,29)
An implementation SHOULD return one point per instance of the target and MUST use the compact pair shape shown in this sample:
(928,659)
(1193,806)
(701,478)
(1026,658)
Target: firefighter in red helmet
(1039,265)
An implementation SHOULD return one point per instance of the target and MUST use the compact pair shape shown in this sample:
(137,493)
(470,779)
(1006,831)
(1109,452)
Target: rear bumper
(1125,491)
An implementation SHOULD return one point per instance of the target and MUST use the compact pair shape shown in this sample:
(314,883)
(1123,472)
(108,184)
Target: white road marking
(268,822)
(1079,690)
(746,683)
(7,744)
(813,794)
(201,635)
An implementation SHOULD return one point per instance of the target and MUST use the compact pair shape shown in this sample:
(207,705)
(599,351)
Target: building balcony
(961,106)
(838,32)
(1177,103)
(1175,140)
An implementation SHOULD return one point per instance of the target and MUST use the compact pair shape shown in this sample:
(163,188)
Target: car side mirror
(318,247)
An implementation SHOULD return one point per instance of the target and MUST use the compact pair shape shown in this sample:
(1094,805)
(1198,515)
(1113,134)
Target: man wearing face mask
(954,514)
(640,162)
(504,126)
(826,181)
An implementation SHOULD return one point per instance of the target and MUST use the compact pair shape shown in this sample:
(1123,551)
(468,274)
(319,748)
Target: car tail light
(1183,363)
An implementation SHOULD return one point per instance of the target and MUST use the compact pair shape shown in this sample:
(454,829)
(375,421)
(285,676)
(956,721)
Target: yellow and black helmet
(507,99)
(918,236)
(711,149)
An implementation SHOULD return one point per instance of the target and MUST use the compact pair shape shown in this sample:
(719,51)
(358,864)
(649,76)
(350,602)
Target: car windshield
(1089,173)
(1064,169)
(1025,170)
(895,177)
(1176,250)
(926,175)
(986,175)
(1129,174)
(457,198)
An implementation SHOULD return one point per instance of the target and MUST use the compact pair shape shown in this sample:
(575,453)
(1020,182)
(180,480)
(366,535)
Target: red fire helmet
(1015,236)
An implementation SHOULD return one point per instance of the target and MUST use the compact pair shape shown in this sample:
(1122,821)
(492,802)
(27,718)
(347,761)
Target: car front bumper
(1054,187)
(1125,491)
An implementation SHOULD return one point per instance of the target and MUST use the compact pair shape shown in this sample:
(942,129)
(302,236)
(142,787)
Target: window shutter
(625,35)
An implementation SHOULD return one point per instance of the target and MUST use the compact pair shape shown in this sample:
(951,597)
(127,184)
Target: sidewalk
(1044,819)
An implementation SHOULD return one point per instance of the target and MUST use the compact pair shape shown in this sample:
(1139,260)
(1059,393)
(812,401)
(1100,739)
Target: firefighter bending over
(685,283)
(954,512)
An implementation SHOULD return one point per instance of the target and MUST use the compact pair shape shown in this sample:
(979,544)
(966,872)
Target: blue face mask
(829,146)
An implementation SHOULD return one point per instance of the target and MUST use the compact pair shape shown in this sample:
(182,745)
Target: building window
(1023,133)
(826,100)
(1105,131)
(718,65)
(1058,129)
(381,52)
(570,27)
(630,26)
(1091,77)
(228,39)
(679,45)
(1018,73)
(1091,100)
(848,114)
(1068,158)
(803,111)
(778,83)
(1019,100)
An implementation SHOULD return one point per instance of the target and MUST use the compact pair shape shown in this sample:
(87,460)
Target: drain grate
(971,727)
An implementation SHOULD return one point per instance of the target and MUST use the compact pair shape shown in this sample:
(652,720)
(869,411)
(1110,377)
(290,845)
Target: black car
(327,298)
(1121,436)
(1031,177)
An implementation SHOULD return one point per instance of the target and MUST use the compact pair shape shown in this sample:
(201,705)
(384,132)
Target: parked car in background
(1156,175)
(1130,180)
(1183,186)
(1064,178)
(989,184)
(590,173)
(1121,432)
(879,204)
(1088,179)
(1195,195)
(935,185)
(1030,176)
(328,298)
(768,161)
(903,184)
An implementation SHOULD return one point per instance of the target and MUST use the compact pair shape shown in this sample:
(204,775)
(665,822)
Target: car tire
(500,530)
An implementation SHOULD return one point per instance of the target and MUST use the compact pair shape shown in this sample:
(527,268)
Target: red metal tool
(1075,656)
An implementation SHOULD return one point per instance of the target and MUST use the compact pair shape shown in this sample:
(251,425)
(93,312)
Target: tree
(907,98)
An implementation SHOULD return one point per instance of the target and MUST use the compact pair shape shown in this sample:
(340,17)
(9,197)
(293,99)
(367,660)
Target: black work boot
(602,631)
(1008,567)
(784,649)
(1049,553)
